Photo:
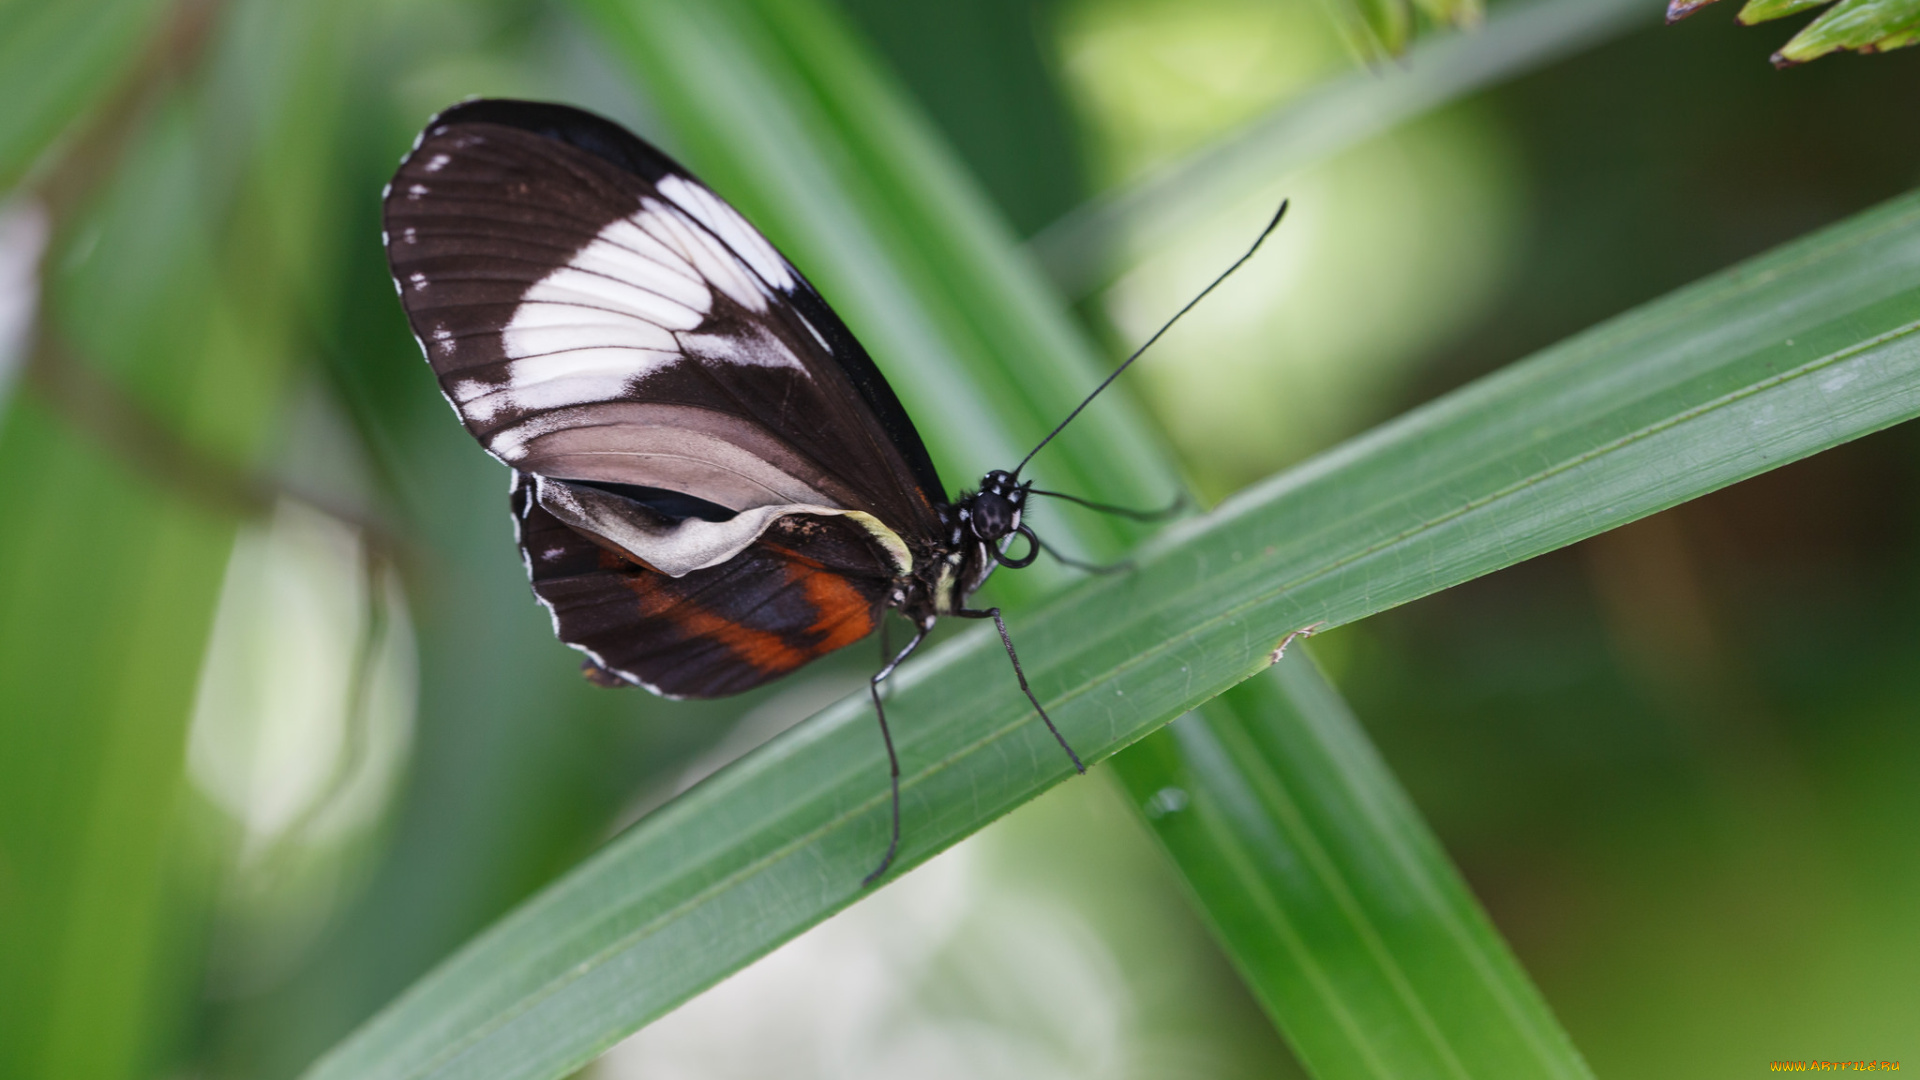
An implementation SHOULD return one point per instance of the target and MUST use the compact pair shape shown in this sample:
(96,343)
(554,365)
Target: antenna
(1108,381)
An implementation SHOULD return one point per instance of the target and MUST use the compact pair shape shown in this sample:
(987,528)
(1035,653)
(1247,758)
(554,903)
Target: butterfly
(713,484)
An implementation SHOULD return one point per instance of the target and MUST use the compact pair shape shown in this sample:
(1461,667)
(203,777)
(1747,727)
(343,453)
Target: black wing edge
(593,133)
(616,145)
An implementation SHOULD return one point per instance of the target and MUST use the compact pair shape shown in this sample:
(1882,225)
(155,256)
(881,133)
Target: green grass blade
(100,637)
(107,589)
(1809,346)
(1344,915)
(57,60)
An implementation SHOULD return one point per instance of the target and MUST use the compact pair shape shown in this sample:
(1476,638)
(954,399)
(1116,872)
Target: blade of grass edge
(1342,911)
(1804,348)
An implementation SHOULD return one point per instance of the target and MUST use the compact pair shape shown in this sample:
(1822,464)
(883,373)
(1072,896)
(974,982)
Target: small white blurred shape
(942,974)
(23,237)
(277,728)
(300,729)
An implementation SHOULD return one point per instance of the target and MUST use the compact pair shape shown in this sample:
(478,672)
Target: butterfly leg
(994,614)
(886,735)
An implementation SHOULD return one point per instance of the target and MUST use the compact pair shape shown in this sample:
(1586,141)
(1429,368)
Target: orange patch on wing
(760,648)
(842,616)
(845,616)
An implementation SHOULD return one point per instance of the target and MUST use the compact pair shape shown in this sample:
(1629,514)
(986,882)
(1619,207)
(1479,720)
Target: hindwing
(804,588)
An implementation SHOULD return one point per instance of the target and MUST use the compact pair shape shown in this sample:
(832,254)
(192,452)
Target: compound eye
(992,516)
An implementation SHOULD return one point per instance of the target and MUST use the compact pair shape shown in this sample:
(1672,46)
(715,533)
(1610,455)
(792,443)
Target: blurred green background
(280,725)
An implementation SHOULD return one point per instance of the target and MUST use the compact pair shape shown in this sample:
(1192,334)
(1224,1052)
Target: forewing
(806,587)
(594,313)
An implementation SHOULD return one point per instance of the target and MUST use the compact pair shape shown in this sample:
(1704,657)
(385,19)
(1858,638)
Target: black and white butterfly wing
(605,324)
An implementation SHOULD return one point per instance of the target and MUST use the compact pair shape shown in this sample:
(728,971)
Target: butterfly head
(993,513)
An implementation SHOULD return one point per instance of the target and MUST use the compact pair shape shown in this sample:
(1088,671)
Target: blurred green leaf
(107,598)
(1378,29)
(107,589)
(1080,250)
(56,61)
(1809,346)
(988,73)
(1345,916)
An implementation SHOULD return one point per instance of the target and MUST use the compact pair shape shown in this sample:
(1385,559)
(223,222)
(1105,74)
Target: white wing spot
(725,222)
(410,234)
(438,162)
(759,349)
(416,191)
(697,248)
(419,281)
(623,306)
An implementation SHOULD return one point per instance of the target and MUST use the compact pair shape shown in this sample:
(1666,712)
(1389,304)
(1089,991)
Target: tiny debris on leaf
(1304,632)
